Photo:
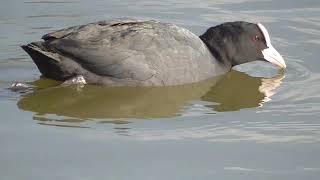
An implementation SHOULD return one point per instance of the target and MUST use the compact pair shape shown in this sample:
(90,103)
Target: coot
(129,52)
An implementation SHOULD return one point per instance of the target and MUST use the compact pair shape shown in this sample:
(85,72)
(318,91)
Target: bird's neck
(219,48)
(219,54)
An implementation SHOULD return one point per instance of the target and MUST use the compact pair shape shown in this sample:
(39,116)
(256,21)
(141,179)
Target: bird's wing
(106,48)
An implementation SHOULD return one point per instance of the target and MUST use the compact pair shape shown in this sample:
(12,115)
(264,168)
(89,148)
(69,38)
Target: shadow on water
(231,92)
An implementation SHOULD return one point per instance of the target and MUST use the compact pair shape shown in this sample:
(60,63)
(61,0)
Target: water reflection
(231,92)
(238,91)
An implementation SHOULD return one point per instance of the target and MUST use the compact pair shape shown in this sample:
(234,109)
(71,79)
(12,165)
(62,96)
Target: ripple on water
(299,94)
(309,31)
(6,94)
(49,1)
(230,132)
(55,16)
(296,71)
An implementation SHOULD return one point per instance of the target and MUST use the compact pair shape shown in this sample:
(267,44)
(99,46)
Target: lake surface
(253,123)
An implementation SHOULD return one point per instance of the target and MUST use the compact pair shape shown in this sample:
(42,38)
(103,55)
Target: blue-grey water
(253,123)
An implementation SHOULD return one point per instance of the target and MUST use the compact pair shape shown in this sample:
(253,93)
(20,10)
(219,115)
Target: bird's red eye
(255,38)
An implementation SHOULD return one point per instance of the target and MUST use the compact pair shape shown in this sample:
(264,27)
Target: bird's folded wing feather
(106,48)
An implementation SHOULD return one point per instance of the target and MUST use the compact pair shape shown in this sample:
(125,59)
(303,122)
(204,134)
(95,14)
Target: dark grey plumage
(125,52)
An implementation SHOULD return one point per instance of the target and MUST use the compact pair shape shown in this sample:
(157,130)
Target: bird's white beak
(271,54)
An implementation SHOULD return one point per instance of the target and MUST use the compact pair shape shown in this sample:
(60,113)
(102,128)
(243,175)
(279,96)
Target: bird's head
(235,43)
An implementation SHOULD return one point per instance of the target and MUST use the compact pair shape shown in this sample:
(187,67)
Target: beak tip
(283,63)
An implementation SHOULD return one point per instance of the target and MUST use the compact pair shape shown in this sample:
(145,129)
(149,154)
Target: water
(252,123)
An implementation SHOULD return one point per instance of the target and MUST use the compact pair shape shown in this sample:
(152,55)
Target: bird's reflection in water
(231,92)
(238,90)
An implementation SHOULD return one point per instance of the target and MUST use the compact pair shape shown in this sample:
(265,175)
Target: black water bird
(127,52)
